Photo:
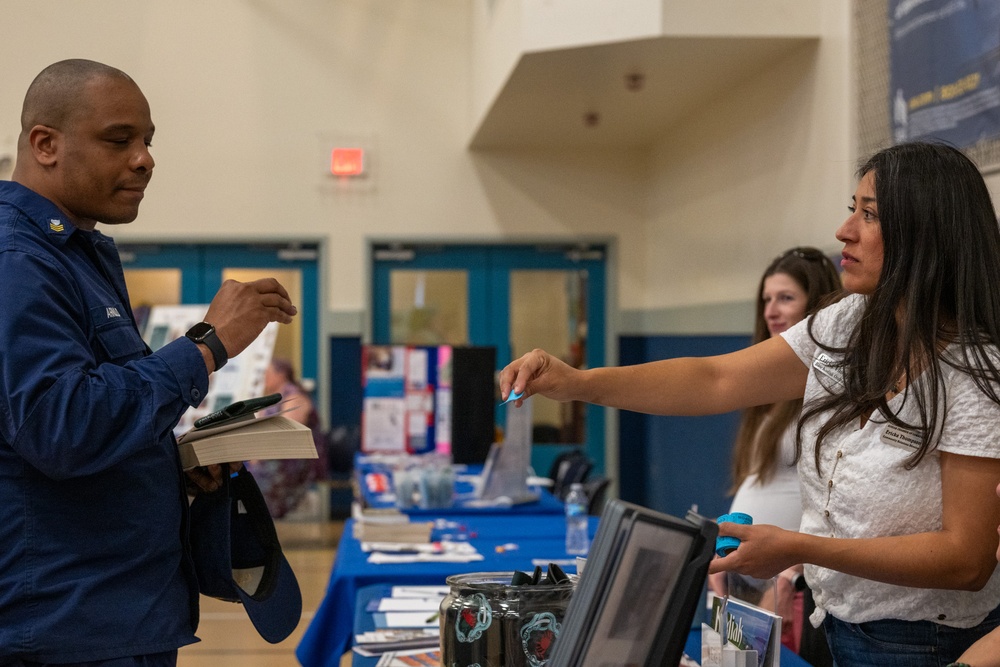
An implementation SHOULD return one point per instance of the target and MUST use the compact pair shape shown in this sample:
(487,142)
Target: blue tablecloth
(363,622)
(375,485)
(330,633)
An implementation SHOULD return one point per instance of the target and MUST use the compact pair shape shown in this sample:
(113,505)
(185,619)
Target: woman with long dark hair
(900,429)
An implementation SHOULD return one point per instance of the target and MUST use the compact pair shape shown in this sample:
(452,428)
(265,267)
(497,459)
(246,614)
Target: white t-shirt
(776,502)
(864,490)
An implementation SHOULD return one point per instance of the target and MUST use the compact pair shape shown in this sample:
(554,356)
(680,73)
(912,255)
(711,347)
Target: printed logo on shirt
(902,438)
(827,365)
(56,225)
(112,312)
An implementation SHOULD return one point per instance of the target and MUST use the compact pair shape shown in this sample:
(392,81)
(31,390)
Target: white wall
(496,47)
(553,24)
(764,168)
(248,94)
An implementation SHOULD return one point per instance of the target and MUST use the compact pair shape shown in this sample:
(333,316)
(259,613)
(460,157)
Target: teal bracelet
(958,664)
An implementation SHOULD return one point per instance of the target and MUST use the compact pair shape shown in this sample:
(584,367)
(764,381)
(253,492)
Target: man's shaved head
(84,144)
(56,93)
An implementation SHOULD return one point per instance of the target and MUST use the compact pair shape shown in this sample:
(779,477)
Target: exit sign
(347,162)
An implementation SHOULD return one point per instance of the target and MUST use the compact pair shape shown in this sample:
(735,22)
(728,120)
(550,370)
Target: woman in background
(795,285)
(765,478)
(285,482)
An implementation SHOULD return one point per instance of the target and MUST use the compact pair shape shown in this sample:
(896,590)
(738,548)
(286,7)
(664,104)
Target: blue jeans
(893,643)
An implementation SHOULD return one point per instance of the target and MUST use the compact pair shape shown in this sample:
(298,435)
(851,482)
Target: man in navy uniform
(95,565)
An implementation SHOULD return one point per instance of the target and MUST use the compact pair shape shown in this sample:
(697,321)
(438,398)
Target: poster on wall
(383,415)
(944,70)
(420,399)
(406,399)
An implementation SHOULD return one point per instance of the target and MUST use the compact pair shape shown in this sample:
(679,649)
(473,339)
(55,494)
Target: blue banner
(944,70)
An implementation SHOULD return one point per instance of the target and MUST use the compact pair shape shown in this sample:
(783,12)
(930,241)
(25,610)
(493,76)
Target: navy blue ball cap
(249,567)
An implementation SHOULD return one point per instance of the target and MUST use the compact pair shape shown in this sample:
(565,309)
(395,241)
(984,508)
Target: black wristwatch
(204,333)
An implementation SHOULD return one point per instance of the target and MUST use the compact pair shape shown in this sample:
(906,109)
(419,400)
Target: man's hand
(207,479)
(240,311)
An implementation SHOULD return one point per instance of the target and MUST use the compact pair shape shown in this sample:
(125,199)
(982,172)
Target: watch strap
(211,340)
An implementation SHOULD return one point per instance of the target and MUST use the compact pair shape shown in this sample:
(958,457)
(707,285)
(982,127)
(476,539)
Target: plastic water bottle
(577,540)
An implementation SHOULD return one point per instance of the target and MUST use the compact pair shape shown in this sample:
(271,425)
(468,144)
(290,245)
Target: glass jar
(487,622)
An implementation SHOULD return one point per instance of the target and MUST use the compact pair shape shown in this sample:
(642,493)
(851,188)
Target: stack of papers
(389,525)
(435,552)
(377,642)
(415,658)
(405,621)
(407,533)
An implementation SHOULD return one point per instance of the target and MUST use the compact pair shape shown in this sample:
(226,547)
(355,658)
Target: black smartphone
(237,409)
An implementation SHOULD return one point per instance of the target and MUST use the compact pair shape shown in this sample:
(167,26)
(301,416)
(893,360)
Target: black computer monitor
(639,591)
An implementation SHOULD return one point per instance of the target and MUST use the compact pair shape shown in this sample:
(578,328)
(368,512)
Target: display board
(421,399)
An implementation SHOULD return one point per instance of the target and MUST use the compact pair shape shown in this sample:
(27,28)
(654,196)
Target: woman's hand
(984,653)
(764,550)
(538,372)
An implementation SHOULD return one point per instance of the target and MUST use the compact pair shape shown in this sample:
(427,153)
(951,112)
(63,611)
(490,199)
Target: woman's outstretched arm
(768,372)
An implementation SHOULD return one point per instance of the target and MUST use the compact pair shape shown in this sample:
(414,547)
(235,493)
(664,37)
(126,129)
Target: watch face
(199,331)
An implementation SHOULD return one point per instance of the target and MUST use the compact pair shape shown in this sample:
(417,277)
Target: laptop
(639,591)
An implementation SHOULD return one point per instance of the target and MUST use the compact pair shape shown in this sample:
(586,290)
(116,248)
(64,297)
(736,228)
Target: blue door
(511,297)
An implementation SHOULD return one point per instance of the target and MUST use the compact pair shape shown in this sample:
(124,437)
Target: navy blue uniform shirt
(93,515)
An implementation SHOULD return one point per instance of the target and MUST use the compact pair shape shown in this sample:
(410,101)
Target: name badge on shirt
(901,437)
(827,365)
(107,314)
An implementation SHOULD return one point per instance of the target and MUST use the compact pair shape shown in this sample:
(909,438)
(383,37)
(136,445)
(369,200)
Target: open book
(245,438)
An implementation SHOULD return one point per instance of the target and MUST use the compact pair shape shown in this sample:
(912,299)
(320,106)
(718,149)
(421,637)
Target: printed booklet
(748,627)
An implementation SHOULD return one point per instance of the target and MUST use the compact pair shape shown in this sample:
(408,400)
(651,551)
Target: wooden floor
(228,637)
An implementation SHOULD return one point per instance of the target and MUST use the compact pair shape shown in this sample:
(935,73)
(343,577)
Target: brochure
(748,627)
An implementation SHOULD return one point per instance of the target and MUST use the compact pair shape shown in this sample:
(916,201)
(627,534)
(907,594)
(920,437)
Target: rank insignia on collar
(56,225)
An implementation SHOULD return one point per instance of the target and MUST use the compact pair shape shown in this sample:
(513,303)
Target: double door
(512,297)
